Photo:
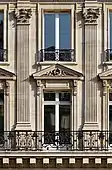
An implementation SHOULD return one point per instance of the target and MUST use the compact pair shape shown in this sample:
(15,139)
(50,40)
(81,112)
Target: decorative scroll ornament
(23,15)
(56,73)
(91,15)
(105,86)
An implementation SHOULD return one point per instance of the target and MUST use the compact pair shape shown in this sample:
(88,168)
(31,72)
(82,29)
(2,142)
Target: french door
(57,111)
(57,36)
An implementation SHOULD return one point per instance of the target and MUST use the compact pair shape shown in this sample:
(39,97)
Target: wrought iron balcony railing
(66,55)
(108,55)
(63,141)
(3,55)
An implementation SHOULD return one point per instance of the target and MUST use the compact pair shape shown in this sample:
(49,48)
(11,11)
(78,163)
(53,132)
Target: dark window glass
(64,96)
(1,111)
(110,96)
(64,123)
(110,15)
(49,124)
(1,35)
(49,96)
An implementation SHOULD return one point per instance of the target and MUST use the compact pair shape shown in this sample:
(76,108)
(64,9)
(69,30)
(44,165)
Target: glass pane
(1,111)
(110,15)
(64,123)
(64,31)
(49,96)
(49,124)
(1,34)
(110,96)
(64,96)
(49,34)
(64,37)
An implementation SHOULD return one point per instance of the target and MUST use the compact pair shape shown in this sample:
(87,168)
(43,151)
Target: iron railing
(66,55)
(63,141)
(3,55)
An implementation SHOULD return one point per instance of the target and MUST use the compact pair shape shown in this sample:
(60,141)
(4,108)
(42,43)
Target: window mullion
(57,36)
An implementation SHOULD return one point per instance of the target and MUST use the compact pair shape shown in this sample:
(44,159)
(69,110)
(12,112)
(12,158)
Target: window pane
(49,31)
(64,96)
(110,96)
(64,31)
(1,34)
(64,124)
(110,15)
(49,96)
(64,117)
(1,111)
(49,124)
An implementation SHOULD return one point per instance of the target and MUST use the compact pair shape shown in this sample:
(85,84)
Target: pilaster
(39,105)
(22,23)
(90,16)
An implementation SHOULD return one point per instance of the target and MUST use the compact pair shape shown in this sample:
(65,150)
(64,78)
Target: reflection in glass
(49,34)
(64,96)
(1,36)
(110,123)
(64,123)
(1,110)
(49,124)
(49,96)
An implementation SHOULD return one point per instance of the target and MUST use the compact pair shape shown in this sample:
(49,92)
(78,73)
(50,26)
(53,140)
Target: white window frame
(56,34)
(56,103)
(109,104)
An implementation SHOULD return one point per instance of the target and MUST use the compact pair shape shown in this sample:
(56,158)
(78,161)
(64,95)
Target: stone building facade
(55,84)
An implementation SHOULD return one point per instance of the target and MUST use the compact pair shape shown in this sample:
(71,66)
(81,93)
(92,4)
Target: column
(90,16)
(23,111)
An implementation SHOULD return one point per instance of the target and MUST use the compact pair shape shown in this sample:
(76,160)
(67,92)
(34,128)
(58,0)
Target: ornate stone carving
(56,73)
(105,86)
(23,15)
(7,86)
(91,15)
(75,87)
(39,85)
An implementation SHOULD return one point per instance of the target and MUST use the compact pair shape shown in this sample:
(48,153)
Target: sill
(4,63)
(108,62)
(57,62)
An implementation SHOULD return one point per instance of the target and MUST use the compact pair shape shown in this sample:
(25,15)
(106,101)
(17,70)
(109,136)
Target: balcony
(62,141)
(63,55)
(3,55)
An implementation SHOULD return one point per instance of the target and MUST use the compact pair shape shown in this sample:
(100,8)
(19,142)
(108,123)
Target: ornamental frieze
(90,15)
(22,15)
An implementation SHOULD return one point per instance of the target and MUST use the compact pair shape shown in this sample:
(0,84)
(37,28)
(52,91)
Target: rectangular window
(57,109)
(1,110)
(109,50)
(110,118)
(2,50)
(56,37)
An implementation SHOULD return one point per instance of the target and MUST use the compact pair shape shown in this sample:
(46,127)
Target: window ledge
(57,62)
(107,62)
(4,63)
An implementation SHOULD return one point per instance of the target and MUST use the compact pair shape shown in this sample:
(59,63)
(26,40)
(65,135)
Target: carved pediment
(7,75)
(106,74)
(57,71)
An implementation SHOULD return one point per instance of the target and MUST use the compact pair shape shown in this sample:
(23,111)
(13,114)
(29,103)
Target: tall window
(1,36)
(1,110)
(57,36)
(57,108)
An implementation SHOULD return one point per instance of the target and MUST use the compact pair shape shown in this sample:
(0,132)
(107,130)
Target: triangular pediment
(6,75)
(57,71)
(106,74)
